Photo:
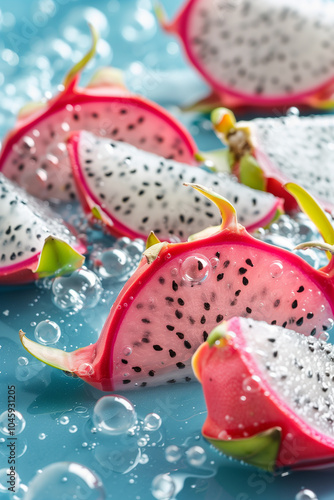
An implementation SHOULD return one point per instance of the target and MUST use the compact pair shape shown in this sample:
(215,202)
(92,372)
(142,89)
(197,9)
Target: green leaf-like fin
(314,211)
(78,67)
(260,450)
(227,210)
(251,174)
(107,77)
(48,355)
(58,258)
(218,333)
(220,159)
(152,240)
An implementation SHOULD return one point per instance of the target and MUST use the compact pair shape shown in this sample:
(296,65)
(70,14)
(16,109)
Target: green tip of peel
(152,240)
(78,67)
(251,174)
(260,450)
(219,159)
(223,120)
(58,258)
(314,211)
(48,355)
(108,77)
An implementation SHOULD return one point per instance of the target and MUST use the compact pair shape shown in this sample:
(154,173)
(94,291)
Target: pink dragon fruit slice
(269,393)
(181,291)
(34,153)
(259,52)
(129,189)
(34,241)
(268,152)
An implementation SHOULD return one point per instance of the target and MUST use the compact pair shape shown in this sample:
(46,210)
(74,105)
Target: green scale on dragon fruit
(300,149)
(259,52)
(133,188)
(270,400)
(34,153)
(25,224)
(180,291)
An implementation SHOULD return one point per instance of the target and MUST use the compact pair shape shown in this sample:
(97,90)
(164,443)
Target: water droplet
(144,459)
(81,482)
(47,332)
(251,384)
(22,361)
(306,495)
(114,415)
(142,442)
(152,422)
(15,423)
(73,429)
(324,336)
(113,263)
(276,269)
(42,436)
(64,420)
(293,111)
(196,456)
(80,290)
(195,269)
(224,435)
(163,487)
(127,351)
(85,370)
(214,262)
(173,453)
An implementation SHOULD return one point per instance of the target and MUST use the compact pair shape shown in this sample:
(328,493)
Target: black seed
(8,230)
(310,315)
(271,340)
(171,381)
(294,304)
(172,353)
(151,373)
(139,306)
(299,321)
(274,322)
(277,302)
(143,384)
(191,320)
(226,264)
(284,324)
(300,289)
(169,299)
(187,344)
(178,314)
(187,379)
(124,361)
(203,320)
(161,280)
(182,218)
(145,320)
(180,335)
(180,365)
(175,286)
(181,302)
(242,270)
(275,354)
(249,263)
(245,281)
(145,340)
(126,381)
(137,369)
(170,327)
(207,306)
(220,276)
(123,111)
(248,309)
(13,256)
(313,332)
(219,318)
(157,347)
(237,293)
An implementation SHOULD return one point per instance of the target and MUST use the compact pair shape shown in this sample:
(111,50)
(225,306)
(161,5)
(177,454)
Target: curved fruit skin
(148,183)
(222,27)
(34,154)
(222,369)
(181,291)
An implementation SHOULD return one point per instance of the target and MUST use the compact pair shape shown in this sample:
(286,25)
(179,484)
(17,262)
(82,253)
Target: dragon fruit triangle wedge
(181,291)
(259,52)
(34,153)
(34,241)
(269,393)
(132,191)
(268,152)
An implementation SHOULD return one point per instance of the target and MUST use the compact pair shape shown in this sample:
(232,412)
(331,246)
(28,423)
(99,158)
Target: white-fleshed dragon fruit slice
(268,152)
(131,190)
(277,389)
(260,52)
(34,241)
(34,153)
(181,291)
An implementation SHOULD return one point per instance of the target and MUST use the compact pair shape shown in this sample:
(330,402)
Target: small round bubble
(114,415)
(85,370)
(22,361)
(276,269)
(47,332)
(173,453)
(251,384)
(306,495)
(64,420)
(196,456)
(152,422)
(6,426)
(163,487)
(195,269)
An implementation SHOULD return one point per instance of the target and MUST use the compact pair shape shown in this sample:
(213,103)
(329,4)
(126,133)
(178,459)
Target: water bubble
(47,332)
(42,436)
(112,263)
(196,456)
(173,453)
(81,482)
(276,269)
(293,111)
(73,429)
(127,351)
(22,361)
(12,422)
(306,495)
(152,422)
(251,384)
(114,415)
(142,442)
(195,269)
(163,487)
(85,370)
(81,289)
(324,336)
(144,459)
(64,420)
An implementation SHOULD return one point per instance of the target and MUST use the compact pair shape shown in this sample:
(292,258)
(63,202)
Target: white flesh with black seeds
(137,187)
(25,223)
(264,47)
(301,148)
(299,369)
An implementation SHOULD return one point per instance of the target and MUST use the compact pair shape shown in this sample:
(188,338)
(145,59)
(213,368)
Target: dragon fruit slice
(259,52)
(181,291)
(34,241)
(268,152)
(129,189)
(34,153)
(269,394)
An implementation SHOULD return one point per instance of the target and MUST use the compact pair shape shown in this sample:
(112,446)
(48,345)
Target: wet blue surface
(39,42)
